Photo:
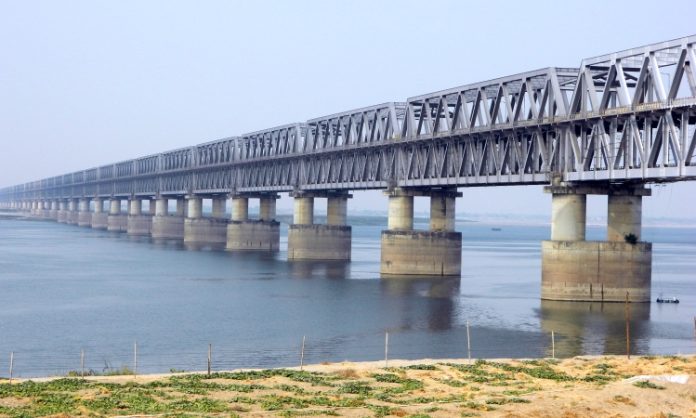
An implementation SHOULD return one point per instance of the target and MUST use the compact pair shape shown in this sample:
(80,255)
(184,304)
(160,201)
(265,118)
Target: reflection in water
(203,246)
(306,269)
(168,243)
(432,299)
(584,328)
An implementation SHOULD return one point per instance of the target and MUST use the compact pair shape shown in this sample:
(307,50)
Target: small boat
(667,300)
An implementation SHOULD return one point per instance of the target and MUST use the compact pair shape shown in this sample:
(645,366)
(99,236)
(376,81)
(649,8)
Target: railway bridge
(613,125)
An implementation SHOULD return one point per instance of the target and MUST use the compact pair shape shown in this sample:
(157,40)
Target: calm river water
(64,289)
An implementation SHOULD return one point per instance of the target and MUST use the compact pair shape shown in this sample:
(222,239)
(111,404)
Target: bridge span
(614,124)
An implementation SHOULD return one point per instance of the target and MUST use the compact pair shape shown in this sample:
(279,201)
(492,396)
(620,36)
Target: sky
(88,83)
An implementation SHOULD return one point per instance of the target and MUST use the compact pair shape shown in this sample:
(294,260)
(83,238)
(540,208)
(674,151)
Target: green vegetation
(648,385)
(448,389)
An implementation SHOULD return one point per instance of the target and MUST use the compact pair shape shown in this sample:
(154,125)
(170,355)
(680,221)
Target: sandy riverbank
(577,387)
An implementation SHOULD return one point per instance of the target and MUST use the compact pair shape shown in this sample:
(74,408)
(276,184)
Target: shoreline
(332,367)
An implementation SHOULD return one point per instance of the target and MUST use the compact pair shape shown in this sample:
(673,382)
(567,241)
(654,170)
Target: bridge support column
(181,209)
(62,211)
(116,221)
(84,216)
(139,224)
(244,234)
(100,219)
(568,213)
(46,212)
(624,217)
(310,241)
(53,211)
(219,207)
(44,206)
(205,232)
(267,208)
(164,226)
(436,252)
(605,271)
(73,213)
(34,208)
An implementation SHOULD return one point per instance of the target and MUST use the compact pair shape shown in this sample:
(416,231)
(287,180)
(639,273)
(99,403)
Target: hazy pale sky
(87,83)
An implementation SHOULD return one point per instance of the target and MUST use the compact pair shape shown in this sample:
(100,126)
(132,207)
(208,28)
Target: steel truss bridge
(628,116)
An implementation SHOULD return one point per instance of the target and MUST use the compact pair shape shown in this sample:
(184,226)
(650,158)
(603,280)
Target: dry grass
(577,387)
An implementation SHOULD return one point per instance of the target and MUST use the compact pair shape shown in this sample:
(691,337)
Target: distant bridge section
(624,117)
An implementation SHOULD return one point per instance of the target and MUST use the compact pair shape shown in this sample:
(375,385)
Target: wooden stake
(302,353)
(210,357)
(628,330)
(386,349)
(468,341)
(553,345)
(82,363)
(11,364)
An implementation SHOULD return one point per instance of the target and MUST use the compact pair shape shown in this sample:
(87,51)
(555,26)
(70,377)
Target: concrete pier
(47,209)
(44,206)
(205,232)
(164,225)
(100,219)
(62,212)
(53,211)
(84,216)
(568,212)
(139,224)
(310,241)
(116,221)
(606,271)
(73,213)
(624,217)
(244,234)
(436,252)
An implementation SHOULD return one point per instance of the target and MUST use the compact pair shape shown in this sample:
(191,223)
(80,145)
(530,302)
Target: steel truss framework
(629,116)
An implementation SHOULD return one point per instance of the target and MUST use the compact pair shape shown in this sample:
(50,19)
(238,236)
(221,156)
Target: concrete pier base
(53,214)
(422,253)
(596,271)
(100,220)
(205,232)
(253,236)
(117,223)
(139,225)
(84,219)
(319,242)
(62,216)
(168,227)
(73,217)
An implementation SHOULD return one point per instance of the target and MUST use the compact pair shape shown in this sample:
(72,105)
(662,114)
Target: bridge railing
(282,140)
(506,101)
(364,126)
